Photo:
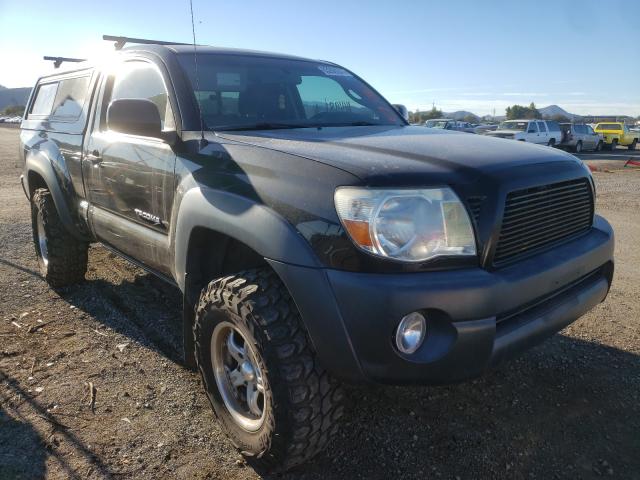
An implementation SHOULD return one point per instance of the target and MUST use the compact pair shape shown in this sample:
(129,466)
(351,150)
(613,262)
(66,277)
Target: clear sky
(461,54)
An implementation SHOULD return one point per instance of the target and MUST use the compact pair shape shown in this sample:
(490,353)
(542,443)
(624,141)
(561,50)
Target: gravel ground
(569,408)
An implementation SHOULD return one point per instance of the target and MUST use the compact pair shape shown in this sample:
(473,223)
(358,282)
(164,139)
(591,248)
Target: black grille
(475,204)
(537,217)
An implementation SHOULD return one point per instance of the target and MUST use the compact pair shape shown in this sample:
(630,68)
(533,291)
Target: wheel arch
(39,173)
(219,233)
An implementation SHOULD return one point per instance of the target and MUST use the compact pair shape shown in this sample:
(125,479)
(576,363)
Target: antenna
(57,61)
(203,142)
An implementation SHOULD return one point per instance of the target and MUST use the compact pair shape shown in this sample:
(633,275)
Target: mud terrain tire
(301,402)
(62,258)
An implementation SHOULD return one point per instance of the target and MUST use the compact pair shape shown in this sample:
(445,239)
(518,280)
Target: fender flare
(243,219)
(40,164)
(287,252)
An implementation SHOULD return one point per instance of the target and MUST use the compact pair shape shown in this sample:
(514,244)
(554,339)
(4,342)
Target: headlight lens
(408,225)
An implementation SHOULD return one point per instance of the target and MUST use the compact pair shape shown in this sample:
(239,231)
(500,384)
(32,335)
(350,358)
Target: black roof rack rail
(57,61)
(121,41)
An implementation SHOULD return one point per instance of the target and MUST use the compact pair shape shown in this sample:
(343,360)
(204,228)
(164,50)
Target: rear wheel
(552,142)
(633,144)
(62,258)
(578,147)
(273,399)
(614,145)
(599,146)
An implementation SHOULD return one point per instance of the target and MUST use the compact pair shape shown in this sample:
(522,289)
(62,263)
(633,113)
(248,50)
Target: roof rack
(121,41)
(57,61)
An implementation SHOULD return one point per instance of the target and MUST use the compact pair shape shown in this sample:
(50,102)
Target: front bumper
(475,318)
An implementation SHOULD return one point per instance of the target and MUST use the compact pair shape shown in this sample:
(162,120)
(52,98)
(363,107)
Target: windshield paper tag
(333,71)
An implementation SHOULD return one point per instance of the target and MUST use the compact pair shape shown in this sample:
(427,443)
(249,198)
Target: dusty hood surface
(407,151)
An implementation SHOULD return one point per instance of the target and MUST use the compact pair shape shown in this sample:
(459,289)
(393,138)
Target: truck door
(532,133)
(543,134)
(128,177)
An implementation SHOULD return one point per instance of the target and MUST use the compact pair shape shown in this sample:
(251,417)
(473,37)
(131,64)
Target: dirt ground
(569,408)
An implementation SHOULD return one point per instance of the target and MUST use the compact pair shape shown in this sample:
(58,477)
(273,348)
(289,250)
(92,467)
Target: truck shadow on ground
(17,437)
(24,449)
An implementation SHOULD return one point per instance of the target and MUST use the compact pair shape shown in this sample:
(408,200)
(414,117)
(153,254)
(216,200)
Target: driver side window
(141,80)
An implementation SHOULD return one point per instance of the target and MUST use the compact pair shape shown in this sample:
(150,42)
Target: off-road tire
(67,256)
(633,144)
(302,402)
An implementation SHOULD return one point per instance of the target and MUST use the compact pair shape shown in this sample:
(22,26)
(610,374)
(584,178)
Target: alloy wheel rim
(42,241)
(238,376)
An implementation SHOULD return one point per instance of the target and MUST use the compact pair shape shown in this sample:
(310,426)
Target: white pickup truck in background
(542,132)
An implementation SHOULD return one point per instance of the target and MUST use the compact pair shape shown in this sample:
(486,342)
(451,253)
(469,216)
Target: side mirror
(402,110)
(135,117)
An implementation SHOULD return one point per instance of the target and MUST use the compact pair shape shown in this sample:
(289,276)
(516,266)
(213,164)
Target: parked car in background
(442,123)
(617,133)
(535,131)
(578,137)
(484,128)
(450,124)
(466,127)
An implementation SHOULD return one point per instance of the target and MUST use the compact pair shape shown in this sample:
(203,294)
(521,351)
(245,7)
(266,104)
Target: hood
(404,151)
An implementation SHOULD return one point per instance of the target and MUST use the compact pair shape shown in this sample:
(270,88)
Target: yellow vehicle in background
(617,133)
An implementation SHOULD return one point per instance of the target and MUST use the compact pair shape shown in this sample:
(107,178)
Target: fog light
(411,332)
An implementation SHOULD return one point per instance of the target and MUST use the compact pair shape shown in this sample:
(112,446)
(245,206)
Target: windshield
(520,126)
(436,123)
(249,92)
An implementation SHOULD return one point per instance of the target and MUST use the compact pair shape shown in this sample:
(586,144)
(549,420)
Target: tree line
(513,112)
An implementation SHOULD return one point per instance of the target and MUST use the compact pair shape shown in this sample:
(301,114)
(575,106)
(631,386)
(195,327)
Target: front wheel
(633,144)
(62,258)
(614,145)
(273,399)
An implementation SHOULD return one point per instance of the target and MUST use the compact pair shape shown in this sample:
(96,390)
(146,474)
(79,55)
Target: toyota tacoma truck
(316,237)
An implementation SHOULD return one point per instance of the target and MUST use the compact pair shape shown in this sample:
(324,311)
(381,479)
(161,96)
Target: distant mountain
(553,110)
(459,115)
(10,97)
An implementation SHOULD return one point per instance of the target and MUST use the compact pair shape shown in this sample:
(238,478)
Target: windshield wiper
(259,126)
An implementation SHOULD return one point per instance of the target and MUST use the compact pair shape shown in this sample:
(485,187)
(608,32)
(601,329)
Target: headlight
(408,225)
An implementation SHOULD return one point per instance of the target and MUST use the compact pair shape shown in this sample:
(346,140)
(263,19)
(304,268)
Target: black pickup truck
(315,235)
